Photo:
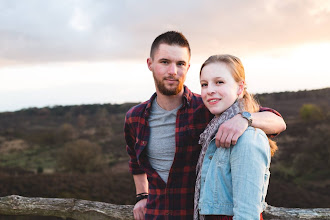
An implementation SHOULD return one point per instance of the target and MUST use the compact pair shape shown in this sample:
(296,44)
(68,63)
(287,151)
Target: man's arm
(270,123)
(139,176)
(141,186)
(231,130)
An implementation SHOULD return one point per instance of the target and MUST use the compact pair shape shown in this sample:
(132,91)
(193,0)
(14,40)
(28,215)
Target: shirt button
(210,157)
(143,142)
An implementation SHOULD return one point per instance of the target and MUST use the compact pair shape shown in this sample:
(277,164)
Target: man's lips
(171,79)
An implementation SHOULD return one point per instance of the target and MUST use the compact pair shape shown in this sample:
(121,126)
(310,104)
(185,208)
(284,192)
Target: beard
(169,91)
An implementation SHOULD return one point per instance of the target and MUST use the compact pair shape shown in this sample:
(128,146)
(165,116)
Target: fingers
(139,210)
(234,139)
(138,214)
(228,140)
(218,138)
(223,139)
(230,131)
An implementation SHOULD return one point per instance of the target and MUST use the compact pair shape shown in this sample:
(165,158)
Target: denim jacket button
(210,157)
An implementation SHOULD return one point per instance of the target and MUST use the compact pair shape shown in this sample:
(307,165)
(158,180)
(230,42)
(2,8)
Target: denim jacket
(234,180)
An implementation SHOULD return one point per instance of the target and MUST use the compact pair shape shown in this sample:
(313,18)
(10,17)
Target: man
(162,134)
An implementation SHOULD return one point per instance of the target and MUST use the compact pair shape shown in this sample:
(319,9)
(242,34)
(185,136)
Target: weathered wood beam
(272,212)
(85,210)
(64,208)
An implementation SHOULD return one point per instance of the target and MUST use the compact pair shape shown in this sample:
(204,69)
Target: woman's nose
(210,90)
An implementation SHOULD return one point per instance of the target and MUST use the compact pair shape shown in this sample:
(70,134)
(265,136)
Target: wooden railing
(87,210)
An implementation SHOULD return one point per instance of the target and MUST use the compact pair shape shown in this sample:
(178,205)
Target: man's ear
(241,85)
(149,62)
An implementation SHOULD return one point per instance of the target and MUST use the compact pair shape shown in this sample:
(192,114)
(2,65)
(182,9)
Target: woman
(231,182)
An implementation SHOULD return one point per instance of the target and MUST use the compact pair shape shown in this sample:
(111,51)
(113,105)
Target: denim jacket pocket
(222,155)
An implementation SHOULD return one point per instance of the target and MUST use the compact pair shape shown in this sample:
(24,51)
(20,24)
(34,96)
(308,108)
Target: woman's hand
(140,209)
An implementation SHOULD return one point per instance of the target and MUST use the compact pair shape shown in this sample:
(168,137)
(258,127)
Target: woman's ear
(240,90)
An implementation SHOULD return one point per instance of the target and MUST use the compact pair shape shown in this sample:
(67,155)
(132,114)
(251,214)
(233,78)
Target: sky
(71,52)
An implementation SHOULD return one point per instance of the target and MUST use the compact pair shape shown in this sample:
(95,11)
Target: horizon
(107,103)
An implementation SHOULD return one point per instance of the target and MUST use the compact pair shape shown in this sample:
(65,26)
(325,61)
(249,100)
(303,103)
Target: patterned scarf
(205,139)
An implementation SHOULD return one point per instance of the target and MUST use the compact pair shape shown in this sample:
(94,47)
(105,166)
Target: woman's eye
(203,84)
(219,82)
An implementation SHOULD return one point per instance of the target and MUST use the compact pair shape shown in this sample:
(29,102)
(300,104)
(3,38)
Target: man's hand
(230,131)
(140,209)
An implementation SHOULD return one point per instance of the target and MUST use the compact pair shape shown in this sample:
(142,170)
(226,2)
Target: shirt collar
(187,96)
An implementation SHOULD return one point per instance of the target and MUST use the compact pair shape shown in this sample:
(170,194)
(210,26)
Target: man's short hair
(170,38)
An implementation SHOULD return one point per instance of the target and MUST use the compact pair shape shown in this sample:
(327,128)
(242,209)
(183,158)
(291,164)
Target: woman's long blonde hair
(236,68)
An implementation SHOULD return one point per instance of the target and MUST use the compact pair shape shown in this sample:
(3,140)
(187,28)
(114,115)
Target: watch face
(246,115)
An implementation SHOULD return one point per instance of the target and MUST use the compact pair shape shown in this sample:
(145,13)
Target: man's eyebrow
(163,59)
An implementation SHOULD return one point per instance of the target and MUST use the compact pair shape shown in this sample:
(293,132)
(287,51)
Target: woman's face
(219,89)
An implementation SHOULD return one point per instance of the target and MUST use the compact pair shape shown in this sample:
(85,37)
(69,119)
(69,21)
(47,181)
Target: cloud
(97,30)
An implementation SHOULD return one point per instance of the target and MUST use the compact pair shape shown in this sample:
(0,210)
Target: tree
(80,156)
(311,112)
(66,133)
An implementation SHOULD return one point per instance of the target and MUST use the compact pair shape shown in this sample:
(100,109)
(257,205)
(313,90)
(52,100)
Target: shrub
(80,156)
(311,112)
(66,132)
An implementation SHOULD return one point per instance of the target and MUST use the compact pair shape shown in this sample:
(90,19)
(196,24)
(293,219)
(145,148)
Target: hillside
(79,151)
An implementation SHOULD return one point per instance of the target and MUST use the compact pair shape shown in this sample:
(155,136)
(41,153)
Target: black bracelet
(144,193)
(141,196)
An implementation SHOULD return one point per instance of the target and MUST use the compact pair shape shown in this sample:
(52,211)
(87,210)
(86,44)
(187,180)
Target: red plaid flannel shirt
(174,200)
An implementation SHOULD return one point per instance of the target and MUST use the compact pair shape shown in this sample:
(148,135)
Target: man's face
(169,67)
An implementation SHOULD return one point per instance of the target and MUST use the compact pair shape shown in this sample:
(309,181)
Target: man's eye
(164,61)
(180,64)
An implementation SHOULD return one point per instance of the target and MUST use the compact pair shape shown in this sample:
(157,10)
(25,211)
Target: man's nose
(172,69)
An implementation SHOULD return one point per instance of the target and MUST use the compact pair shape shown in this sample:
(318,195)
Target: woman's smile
(213,101)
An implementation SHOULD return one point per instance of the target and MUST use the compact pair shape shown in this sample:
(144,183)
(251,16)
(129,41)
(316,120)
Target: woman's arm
(250,160)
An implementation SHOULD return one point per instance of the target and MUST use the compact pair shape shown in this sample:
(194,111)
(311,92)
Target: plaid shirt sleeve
(265,109)
(130,131)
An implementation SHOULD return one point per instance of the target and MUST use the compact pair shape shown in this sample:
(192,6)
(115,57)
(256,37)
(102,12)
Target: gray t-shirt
(161,145)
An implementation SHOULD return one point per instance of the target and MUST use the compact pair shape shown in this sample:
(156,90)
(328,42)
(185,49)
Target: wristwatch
(247,116)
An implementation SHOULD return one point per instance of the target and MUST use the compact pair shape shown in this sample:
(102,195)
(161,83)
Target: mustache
(171,78)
